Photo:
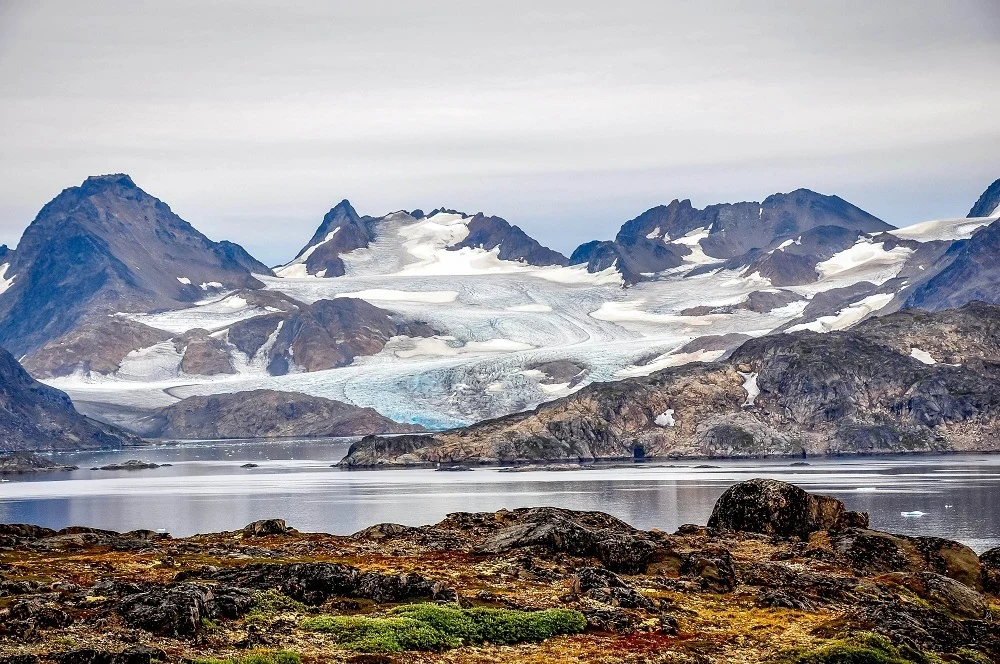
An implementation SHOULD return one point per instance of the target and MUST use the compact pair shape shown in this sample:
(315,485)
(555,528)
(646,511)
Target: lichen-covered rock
(179,611)
(873,552)
(954,596)
(608,588)
(266,527)
(777,508)
(990,566)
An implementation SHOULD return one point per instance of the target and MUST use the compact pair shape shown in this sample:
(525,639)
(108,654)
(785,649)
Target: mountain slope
(669,236)
(34,416)
(104,247)
(988,204)
(791,394)
(340,232)
(265,414)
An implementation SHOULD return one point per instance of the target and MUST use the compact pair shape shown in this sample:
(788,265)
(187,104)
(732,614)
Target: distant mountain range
(446,318)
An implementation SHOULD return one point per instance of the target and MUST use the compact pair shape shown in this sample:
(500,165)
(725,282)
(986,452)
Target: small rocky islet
(777,575)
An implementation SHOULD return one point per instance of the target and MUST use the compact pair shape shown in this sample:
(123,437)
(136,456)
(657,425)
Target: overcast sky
(252,119)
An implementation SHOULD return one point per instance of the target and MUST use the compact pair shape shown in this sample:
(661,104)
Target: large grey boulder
(771,507)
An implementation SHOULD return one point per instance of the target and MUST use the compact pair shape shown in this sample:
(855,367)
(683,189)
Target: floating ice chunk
(184,280)
(915,514)
(750,385)
(665,419)
(922,355)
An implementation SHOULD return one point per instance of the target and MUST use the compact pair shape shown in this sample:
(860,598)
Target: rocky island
(777,575)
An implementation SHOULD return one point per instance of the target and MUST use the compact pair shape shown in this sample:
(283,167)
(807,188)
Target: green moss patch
(258,657)
(437,627)
(863,648)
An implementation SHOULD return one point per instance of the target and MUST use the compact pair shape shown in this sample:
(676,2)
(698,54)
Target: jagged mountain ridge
(469,325)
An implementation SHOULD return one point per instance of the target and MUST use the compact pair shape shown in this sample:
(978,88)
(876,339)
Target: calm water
(206,490)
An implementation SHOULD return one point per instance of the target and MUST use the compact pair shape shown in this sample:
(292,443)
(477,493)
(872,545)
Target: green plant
(258,657)
(437,627)
(862,648)
(268,603)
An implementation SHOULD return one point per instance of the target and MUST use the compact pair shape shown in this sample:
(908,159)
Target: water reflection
(206,489)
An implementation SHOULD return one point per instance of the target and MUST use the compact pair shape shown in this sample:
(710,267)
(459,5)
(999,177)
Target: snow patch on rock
(665,419)
(922,355)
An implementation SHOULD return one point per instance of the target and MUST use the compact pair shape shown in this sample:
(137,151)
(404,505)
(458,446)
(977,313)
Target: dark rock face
(990,562)
(989,203)
(874,552)
(608,588)
(264,414)
(613,542)
(857,391)
(514,244)
(340,232)
(323,335)
(266,527)
(736,231)
(967,272)
(93,346)
(104,247)
(34,416)
(179,611)
(314,583)
(23,463)
(204,354)
(771,507)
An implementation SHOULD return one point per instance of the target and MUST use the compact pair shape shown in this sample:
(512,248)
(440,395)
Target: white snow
(443,346)
(210,284)
(669,360)
(922,355)
(665,419)
(535,308)
(296,269)
(210,315)
(393,295)
(655,234)
(5,283)
(184,280)
(786,243)
(848,316)
(942,229)
(631,311)
(863,258)
(750,385)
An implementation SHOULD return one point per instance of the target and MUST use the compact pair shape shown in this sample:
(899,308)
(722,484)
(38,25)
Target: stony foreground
(778,575)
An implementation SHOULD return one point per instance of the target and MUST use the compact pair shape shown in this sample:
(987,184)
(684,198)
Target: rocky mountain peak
(988,204)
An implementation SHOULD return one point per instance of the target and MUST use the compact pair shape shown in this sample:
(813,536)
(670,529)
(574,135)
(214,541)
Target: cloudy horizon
(252,119)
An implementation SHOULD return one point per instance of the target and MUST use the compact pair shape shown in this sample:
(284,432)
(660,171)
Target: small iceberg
(916,514)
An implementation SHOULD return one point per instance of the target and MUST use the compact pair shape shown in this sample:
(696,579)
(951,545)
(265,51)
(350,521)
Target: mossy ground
(437,627)
(730,628)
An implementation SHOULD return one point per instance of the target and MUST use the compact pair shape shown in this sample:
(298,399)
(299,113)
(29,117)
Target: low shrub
(437,627)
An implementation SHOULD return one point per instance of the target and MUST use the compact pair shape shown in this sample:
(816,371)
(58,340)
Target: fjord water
(206,490)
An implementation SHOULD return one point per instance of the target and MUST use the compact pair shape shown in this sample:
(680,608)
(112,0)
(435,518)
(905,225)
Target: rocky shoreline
(777,575)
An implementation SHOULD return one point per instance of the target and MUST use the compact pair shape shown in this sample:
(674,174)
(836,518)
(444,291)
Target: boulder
(711,567)
(990,565)
(953,596)
(179,611)
(266,527)
(777,508)
(873,552)
(608,588)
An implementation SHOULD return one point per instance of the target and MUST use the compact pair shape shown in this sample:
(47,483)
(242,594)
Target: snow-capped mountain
(344,231)
(447,318)
(104,247)
(988,204)
(678,235)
